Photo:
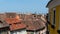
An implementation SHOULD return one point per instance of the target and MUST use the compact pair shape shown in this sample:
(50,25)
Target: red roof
(31,24)
(15,24)
(12,20)
(34,25)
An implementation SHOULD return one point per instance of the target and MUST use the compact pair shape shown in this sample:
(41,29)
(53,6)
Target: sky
(24,6)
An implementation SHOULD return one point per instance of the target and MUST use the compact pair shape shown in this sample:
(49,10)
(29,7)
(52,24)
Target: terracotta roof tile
(34,24)
(15,24)
(12,20)
(31,24)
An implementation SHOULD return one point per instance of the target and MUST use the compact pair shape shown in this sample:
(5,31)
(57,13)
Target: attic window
(34,15)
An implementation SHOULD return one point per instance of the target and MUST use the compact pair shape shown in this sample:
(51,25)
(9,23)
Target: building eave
(49,3)
(36,30)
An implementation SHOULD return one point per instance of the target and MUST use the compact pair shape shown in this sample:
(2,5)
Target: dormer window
(34,15)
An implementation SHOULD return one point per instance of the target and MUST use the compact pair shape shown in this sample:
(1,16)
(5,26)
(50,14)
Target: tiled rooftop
(15,24)
(30,22)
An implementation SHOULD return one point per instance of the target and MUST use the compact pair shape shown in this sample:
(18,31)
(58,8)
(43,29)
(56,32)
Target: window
(53,22)
(34,15)
(54,17)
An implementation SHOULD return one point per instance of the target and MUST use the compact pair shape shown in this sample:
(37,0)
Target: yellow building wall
(51,20)
(54,31)
(57,17)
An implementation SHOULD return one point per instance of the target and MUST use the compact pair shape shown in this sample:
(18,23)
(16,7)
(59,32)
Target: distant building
(25,23)
(16,27)
(35,25)
(10,15)
(4,27)
(2,15)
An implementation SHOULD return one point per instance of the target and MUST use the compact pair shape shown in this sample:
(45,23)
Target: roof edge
(49,3)
(36,30)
